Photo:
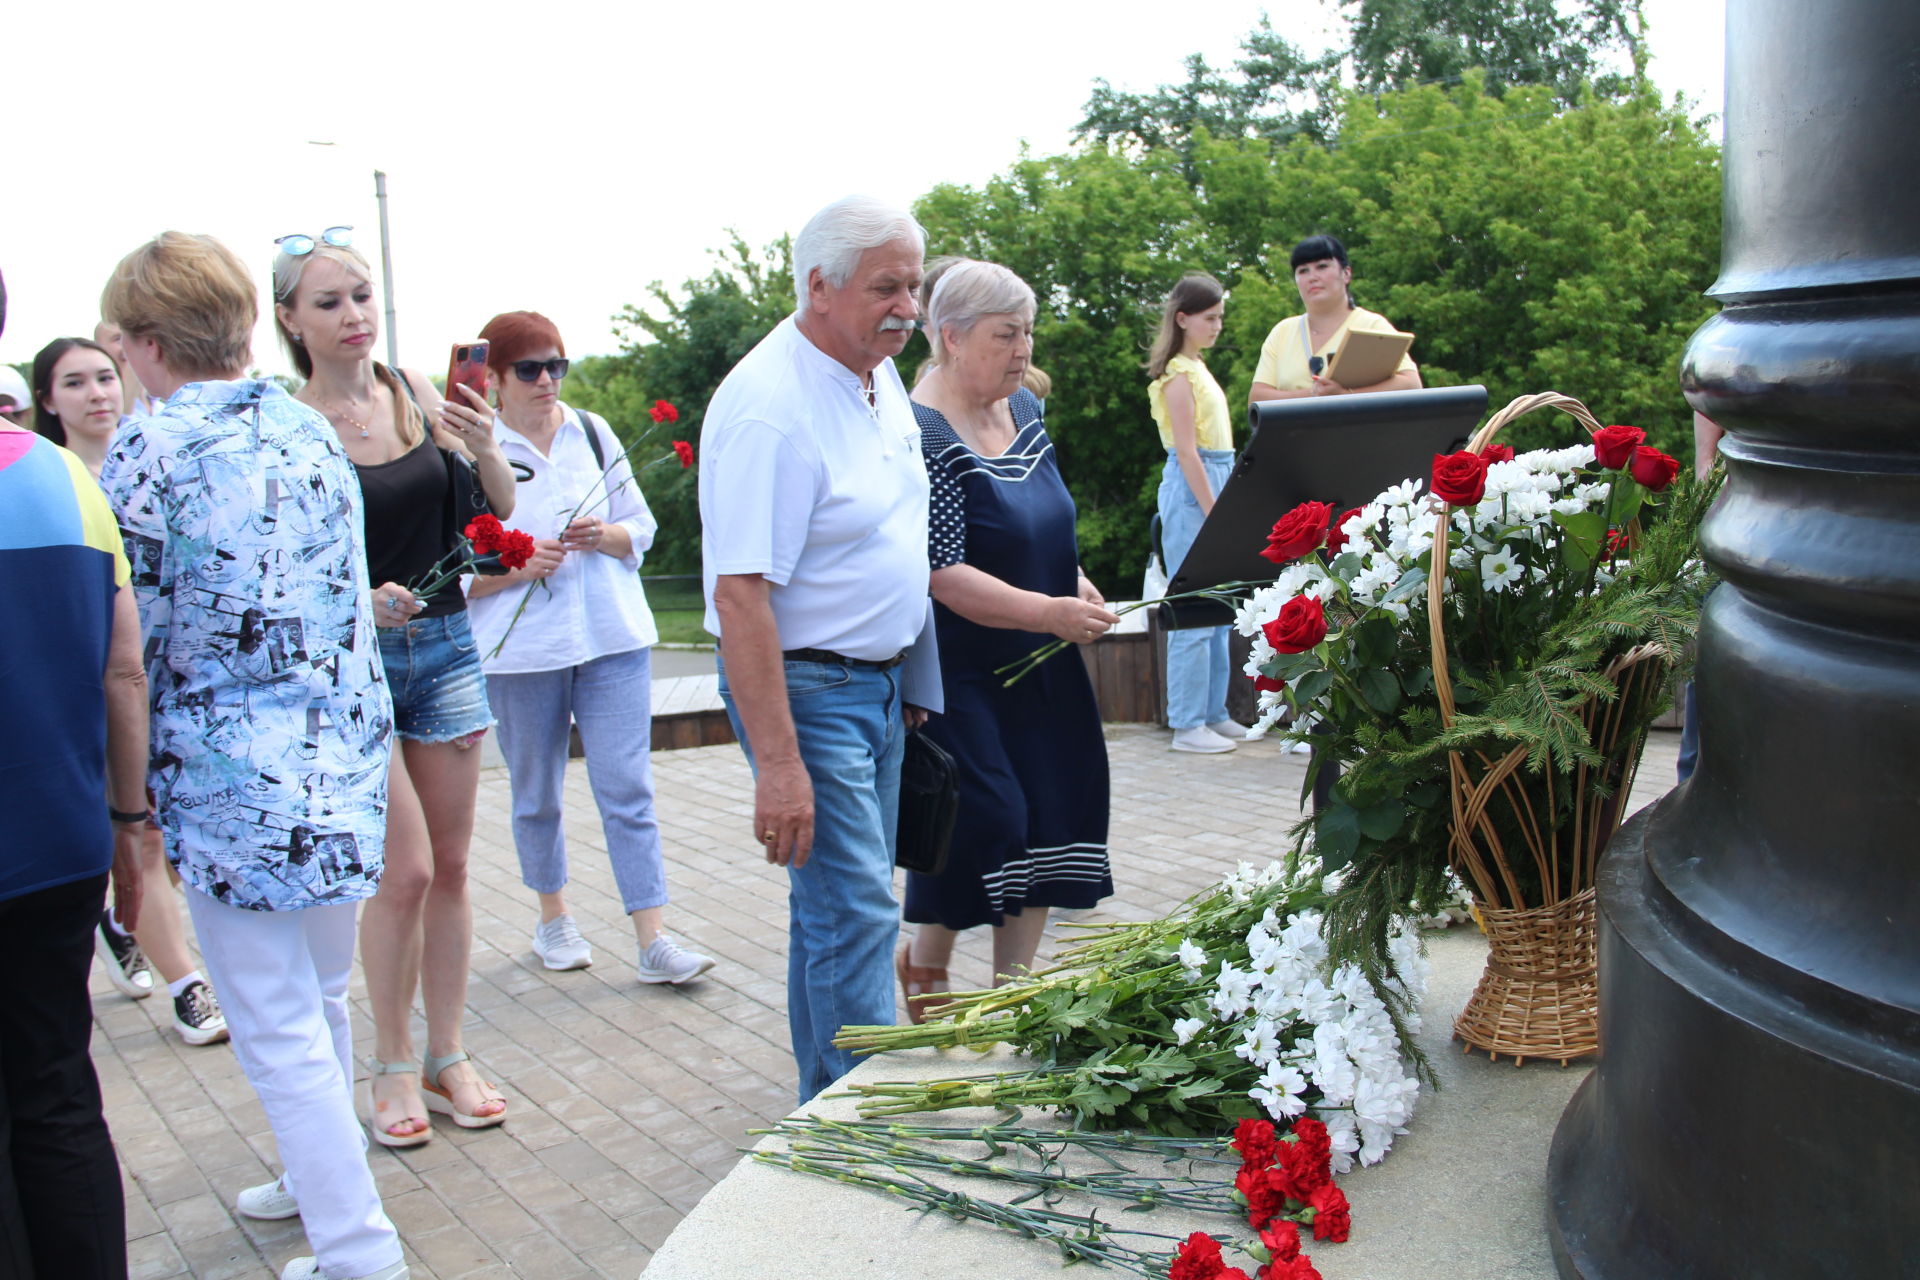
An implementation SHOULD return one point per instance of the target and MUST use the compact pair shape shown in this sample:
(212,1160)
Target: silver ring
(393,602)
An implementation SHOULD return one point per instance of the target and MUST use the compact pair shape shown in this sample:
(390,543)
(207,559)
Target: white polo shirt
(804,484)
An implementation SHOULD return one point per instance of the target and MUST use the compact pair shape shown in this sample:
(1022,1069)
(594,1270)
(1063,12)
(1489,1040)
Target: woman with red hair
(567,640)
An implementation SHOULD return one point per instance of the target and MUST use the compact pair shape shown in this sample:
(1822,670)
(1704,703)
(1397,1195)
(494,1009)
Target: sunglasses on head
(529,370)
(300,243)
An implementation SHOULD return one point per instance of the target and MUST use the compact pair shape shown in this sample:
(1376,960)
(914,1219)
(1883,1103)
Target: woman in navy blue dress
(1032,828)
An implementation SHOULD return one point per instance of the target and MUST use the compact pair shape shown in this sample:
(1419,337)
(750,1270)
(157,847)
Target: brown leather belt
(840,659)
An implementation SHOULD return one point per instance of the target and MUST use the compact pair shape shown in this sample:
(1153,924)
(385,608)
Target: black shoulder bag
(929,803)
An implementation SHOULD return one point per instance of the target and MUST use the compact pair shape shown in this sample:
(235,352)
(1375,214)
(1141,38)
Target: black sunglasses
(529,370)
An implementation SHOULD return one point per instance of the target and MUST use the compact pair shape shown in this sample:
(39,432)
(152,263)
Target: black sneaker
(197,1016)
(125,963)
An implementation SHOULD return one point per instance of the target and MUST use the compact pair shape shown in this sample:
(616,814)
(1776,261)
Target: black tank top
(405,503)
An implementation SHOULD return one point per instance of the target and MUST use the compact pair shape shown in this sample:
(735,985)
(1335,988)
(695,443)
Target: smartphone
(467,368)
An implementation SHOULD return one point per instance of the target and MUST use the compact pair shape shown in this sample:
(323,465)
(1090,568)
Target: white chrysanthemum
(1528,506)
(1343,1135)
(1233,992)
(1185,1029)
(1261,1043)
(1192,959)
(1404,494)
(1499,570)
(1279,1091)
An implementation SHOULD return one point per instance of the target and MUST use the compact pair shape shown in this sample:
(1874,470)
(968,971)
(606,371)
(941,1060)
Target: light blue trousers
(1196,658)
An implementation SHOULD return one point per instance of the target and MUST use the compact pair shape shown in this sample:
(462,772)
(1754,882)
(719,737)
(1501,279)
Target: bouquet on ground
(484,547)
(1225,1010)
(1480,660)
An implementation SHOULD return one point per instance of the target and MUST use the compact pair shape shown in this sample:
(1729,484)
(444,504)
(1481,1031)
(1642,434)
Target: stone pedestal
(1756,1108)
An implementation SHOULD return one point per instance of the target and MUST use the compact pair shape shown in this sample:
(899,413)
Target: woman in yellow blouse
(1298,351)
(1191,413)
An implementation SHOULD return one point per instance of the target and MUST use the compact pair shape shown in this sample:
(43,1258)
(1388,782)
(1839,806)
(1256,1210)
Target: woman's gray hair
(967,291)
(834,238)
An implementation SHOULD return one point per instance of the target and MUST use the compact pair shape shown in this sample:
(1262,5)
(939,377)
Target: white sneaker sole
(1202,751)
(584,962)
(200,1035)
(658,978)
(117,976)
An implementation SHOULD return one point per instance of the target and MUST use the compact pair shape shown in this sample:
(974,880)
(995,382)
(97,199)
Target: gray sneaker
(559,945)
(665,960)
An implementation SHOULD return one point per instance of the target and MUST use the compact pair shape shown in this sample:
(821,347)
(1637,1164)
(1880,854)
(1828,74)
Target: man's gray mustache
(894,323)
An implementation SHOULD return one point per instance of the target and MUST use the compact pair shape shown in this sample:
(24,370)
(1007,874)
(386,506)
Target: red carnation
(485,532)
(1459,478)
(1332,1216)
(1264,683)
(1497,453)
(1298,532)
(1619,542)
(1281,1240)
(1307,1169)
(1337,535)
(515,549)
(681,449)
(1653,468)
(1266,1192)
(663,412)
(1313,1135)
(1255,1139)
(1613,446)
(1197,1259)
(1301,625)
(1300,1268)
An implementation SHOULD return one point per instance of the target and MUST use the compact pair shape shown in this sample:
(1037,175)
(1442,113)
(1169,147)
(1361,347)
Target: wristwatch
(142,816)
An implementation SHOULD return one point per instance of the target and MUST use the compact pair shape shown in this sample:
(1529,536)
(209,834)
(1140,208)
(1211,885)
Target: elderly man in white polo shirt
(813,506)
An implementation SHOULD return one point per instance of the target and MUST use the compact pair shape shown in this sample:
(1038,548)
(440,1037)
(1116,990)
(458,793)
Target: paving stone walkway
(628,1101)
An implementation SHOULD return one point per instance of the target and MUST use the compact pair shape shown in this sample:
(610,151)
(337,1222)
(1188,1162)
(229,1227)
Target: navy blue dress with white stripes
(1032,828)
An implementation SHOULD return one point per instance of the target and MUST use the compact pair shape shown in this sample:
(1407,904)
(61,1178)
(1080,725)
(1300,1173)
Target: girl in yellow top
(1297,352)
(1192,416)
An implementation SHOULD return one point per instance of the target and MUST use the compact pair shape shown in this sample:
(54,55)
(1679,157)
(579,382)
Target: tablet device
(1367,356)
(1344,450)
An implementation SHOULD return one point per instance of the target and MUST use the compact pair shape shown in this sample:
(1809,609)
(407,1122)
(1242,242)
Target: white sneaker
(121,957)
(664,960)
(559,945)
(268,1202)
(1200,739)
(309,1269)
(1231,730)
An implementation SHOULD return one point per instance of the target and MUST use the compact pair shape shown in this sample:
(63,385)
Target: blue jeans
(1197,657)
(611,699)
(433,670)
(843,919)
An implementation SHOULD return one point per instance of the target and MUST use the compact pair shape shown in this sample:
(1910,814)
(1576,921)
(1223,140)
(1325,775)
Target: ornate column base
(1745,1121)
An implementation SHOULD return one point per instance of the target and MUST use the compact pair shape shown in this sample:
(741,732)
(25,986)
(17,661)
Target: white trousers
(282,978)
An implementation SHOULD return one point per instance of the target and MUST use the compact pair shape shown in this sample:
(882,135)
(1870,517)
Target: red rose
(1281,1240)
(663,412)
(1332,1217)
(1312,1134)
(1264,683)
(1300,1268)
(1613,446)
(1255,1139)
(1337,535)
(681,449)
(1459,478)
(1653,468)
(1198,1258)
(1497,453)
(1301,625)
(1265,1191)
(1298,532)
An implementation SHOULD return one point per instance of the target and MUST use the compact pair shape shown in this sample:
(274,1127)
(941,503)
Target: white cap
(14,387)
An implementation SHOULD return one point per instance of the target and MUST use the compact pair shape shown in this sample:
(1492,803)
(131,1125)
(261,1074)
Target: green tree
(678,351)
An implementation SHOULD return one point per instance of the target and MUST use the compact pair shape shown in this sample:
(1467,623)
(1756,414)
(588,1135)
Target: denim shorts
(433,672)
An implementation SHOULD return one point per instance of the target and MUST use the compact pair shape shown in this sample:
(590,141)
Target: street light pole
(386,269)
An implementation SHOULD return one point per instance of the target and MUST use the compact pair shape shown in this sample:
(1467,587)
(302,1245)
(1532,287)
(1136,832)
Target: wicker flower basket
(1538,997)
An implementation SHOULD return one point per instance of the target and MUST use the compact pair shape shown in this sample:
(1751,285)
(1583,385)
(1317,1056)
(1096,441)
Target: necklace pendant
(365,434)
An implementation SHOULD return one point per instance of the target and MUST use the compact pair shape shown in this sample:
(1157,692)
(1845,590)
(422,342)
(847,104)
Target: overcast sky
(563,155)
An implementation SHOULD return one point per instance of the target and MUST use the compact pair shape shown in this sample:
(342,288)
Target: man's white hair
(834,238)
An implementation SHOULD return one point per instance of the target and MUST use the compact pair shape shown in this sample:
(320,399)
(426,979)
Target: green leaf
(1382,821)
(1310,686)
(1586,537)
(1379,688)
(1417,681)
(1336,833)
(1409,585)
(1345,566)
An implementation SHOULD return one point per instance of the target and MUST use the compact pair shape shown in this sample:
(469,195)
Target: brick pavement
(628,1101)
